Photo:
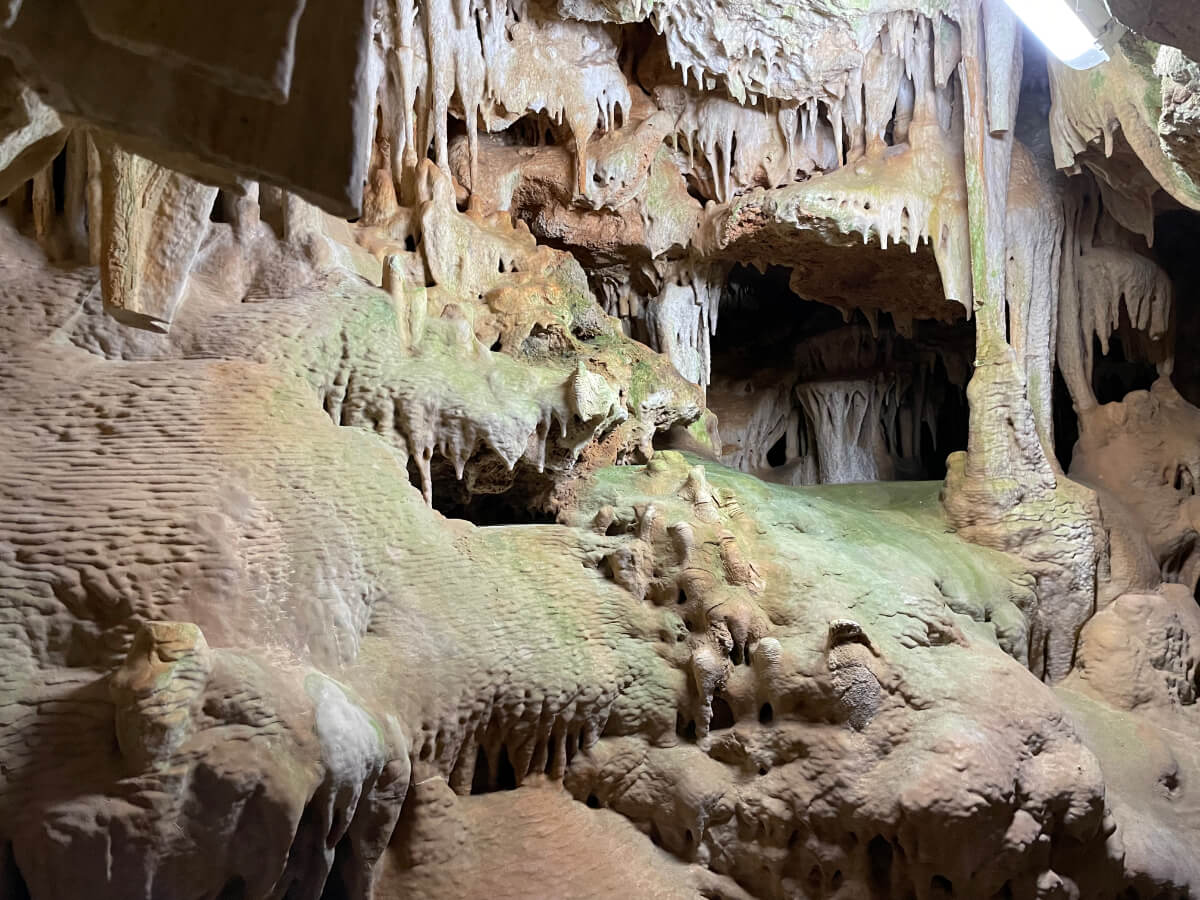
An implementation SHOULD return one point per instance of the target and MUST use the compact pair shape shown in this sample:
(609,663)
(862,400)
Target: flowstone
(596,448)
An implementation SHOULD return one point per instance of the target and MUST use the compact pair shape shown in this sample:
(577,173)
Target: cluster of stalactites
(1108,287)
(678,318)
(742,146)
(749,137)
(753,67)
(833,430)
(846,418)
(491,63)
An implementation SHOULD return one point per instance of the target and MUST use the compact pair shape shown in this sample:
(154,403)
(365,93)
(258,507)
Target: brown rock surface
(731,450)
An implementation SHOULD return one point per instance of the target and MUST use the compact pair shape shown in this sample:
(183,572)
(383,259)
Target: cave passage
(805,393)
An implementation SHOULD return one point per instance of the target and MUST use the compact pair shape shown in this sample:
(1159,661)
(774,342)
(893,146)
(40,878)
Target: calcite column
(1003,491)
(845,417)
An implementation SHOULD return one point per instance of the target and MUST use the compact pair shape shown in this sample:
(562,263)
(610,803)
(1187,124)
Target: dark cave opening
(913,381)
(952,421)
(752,297)
(487,510)
(1176,233)
(940,886)
(516,497)
(879,866)
(1131,361)
(685,729)
(482,781)
(58,178)
(235,889)
(1115,374)
(219,211)
(12,884)
(722,715)
(1066,424)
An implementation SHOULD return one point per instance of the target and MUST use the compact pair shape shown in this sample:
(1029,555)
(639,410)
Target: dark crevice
(815,880)
(490,510)
(686,729)
(345,880)
(722,715)
(479,780)
(879,866)
(1066,424)
(1114,375)
(940,886)
(506,776)
(12,883)
(777,455)
(1175,249)
(58,178)
(654,835)
(219,207)
(503,497)
(414,473)
(505,779)
(310,835)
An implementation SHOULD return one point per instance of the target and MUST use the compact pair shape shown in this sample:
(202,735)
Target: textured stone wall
(474,450)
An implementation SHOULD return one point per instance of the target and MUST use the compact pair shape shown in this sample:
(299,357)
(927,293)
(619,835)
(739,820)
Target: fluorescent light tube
(1062,31)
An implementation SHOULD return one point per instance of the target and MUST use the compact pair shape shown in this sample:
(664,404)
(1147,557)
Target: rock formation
(604,448)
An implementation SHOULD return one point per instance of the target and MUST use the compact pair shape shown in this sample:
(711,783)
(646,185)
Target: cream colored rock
(153,221)
(31,135)
(570,522)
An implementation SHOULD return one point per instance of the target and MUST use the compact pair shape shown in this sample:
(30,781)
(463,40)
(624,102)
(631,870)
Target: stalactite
(1122,98)
(75,217)
(1034,238)
(499,62)
(1099,283)
(31,133)
(682,317)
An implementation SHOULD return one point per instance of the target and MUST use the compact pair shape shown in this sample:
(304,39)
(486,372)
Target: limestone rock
(596,448)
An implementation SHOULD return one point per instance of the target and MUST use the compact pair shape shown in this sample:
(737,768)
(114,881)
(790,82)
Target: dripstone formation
(604,449)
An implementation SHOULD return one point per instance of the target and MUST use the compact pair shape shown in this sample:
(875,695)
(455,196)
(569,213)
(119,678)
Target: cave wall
(605,448)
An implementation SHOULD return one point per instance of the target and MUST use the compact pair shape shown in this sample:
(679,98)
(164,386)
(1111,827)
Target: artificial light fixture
(1073,30)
